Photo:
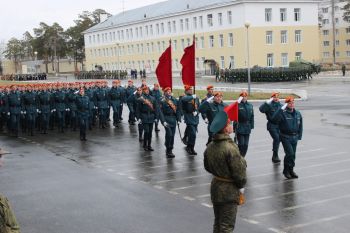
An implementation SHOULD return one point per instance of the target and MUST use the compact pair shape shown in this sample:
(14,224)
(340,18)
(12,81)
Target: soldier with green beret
(222,159)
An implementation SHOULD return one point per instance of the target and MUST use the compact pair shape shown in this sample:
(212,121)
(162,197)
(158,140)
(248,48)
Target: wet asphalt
(58,184)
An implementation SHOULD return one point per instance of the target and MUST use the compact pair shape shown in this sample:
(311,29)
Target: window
(337,31)
(94,38)
(284,37)
(284,59)
(127,34)
(195,22)
(296,14)
(269,60)
(229,17)
(131,34)
(211,41)
(337,54)
(222,62)
(174,26)
(182,43)
(141,48)
(151,30)
(298,56)
(146,30)
(297,36)
(326,43)
(348,53)
(157,29)
(221,40)
(269,37)
(141,32)
(158,46)
(230,39)
(210,20)
(220,19)
(348,42)
(325,21)
(174,45)
(203,60)
(169,27)
(181,25)
(232,62)
(196,39)
(197,63)
(283,14)
(162,28)
(325,32)
(147,48)
(324,10)
(90,39)
(163,45)
(200,21)
(202,42)
(336,8)
(188,41)
(347,30)
(337,43)
(268,14)
(187,24)
(337,20)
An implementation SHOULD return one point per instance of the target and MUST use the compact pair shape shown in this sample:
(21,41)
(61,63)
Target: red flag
(163,71)
(232,111)
(188,65)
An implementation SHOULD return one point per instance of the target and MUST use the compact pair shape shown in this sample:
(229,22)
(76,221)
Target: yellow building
(334,33)
(278,32)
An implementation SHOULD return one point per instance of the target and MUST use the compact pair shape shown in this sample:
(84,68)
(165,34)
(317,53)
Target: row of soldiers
(115,74)
(23,77)
(259,74)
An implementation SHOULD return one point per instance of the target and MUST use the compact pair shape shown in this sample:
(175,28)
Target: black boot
(145,147)
(275,158)
(193,152)
(188,149)
(293,174)
(286,173)
(149,147)
(169,153)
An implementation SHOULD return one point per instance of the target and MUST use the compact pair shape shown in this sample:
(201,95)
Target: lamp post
(247,25)
(118,61)
(35,63)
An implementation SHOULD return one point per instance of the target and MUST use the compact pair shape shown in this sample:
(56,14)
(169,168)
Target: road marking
(203,196)
(184,178)
(251,221)
(299,191)
(207,205)
(121,174)
(158,166)
(322,220)
(187,187)
(276,230)
(189,198)
(158,187)
(172,192)
(131,178)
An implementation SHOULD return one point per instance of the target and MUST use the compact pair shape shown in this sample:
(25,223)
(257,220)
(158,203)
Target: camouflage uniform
(222,159)
(8,222)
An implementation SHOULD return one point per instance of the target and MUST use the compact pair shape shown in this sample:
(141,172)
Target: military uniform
(2,110)
(244,126)
(190,104)
(132,105)
(44,99)
(128,92)
(169,116)
(72,108)
(290,123)
(101,97)
(13,109)
(222,159)
(30,110)
(83,110)
(272,127)
(116,98)
(157,95)
(60,108)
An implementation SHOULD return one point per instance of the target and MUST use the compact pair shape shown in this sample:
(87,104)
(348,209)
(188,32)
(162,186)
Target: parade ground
(109,184)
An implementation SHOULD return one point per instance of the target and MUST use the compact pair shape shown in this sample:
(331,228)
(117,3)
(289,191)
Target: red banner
(163,71)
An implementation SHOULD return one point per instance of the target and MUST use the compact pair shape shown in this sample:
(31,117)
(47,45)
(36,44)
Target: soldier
(2,107)
(116,98)
(60,106)
(290,123)
(222,159)
(101,97)
(190,104)
(130,89)
(210,107)
(169,116)
(245,122)
(157,95)
(13,110)
(44,99)
(343,69)
(72,107)
(83,110)
(30,108)
(147,112)
(132,104)
(210,92)
(269,108)
(90,93)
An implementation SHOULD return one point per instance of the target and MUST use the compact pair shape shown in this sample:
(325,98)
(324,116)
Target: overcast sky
(18,16)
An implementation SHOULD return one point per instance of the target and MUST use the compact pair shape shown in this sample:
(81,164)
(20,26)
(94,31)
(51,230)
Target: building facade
(278,32)
(334,33)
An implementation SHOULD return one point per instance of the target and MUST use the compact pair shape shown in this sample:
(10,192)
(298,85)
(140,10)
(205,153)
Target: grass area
(235,95)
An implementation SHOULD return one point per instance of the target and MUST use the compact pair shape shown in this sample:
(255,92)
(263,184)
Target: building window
(283,14)
(337,54)
(336,31)
(284,37)
(336,20)
(348,42)
(221,40)
(141,32)
(298,56)
(181,25)
(157,29)
(203,60)
(162,28)
(174,45)
(195,22)
(325,54)
(187,24)
(197,63)
(296,14)
(158,46)
(169,27)
(269,37)
(268,14)
(163,45)
(325,32)
(337,43)
(284,59)
(146,30)
(347,30)
(202,42)
(232,62)
(147,48)
(211,41)
(230,39)
(324,10)
(325,21)
(90,40)
(229,17)
(348,53)
(201,22)
(174,26)
(326,43)
(269,59)
(222,61)
(210,20)
(297,36)
(188,41)
(220,19)
(151,29)
(182,43)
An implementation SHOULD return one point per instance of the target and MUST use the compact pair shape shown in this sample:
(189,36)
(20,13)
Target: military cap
(166,89)
(275,94)
(244,94)
(219,122)
(210,87)
(218,93)
(289,99)
(145,88)
(187,87)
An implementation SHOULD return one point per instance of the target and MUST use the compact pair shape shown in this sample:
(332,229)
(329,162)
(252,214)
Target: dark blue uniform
(116,98)
(90,93)
(129,91)
(132,105)
(83,110)
(244,126)
(44,98)
(158,96)
(13,109)
(2,110)
(60,108)
(30,108)
(72,108)
(101,99)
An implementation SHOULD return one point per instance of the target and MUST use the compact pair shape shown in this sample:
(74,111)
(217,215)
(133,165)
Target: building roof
(167,8)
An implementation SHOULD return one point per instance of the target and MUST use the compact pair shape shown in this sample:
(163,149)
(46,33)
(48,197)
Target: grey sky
(19,16)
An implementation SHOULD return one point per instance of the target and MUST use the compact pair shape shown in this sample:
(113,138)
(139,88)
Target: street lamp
(35,63)
(118,61)
(247,25)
